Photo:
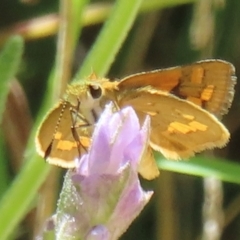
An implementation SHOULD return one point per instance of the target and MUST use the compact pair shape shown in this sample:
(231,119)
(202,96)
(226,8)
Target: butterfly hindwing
(178,127)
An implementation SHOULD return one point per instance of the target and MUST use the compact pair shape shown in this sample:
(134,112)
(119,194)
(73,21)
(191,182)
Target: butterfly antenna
(49,148)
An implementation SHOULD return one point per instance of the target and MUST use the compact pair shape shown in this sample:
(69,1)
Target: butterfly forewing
(209,84)
(55,140)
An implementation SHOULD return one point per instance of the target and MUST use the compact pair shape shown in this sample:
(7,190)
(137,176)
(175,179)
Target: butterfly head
(86,93)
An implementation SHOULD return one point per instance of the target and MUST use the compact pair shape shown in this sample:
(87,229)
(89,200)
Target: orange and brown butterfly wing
(148,167)
(55,140)
(179,128)
(209,84)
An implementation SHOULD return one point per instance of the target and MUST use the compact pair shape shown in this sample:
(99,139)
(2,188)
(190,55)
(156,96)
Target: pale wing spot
(58,136)
(207,93)
(150,104)
(170,129)
(180,127)
(85,141)
(151,113)
(66,145)
(197,74)
(199,126)
(188,117)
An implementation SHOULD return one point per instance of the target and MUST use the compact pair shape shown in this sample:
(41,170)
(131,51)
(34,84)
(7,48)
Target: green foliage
(168,45)
(10,58)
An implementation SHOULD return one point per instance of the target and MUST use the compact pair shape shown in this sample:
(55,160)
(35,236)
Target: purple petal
(135,149)
(129,207)
(98,232)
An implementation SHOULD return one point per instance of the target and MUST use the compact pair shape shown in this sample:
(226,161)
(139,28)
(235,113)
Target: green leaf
(110,39)
(9,62)
(203,167)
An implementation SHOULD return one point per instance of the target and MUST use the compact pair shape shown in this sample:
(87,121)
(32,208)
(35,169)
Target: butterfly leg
(78,121)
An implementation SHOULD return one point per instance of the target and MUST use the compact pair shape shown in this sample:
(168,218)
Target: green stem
(10,58)
(16,201)
(110,39)
(68,34)
(204,167)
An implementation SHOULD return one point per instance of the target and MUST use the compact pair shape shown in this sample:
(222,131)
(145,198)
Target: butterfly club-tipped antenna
(49,148)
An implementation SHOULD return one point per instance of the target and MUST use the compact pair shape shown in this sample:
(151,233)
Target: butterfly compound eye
(95,91)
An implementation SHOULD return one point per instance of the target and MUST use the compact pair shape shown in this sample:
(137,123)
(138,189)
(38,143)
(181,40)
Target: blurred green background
(164,33)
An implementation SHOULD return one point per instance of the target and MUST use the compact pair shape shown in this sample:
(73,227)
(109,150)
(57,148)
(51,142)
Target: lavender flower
(103,195)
